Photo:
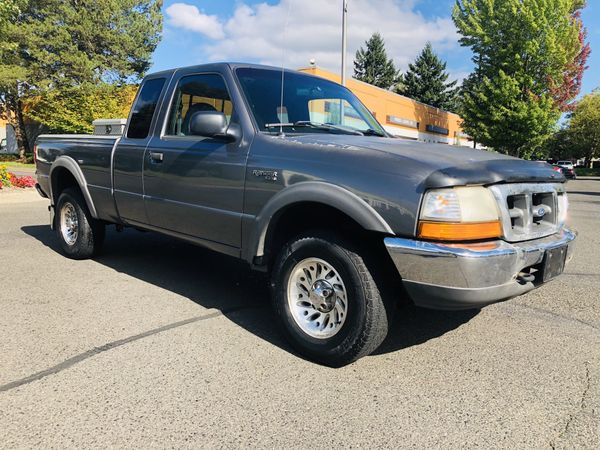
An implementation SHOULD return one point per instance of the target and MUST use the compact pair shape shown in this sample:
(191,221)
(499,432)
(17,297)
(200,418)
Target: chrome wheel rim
(69,224)
(317,298)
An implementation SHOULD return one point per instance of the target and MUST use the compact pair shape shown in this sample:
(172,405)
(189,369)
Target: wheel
(328,304)
(80,235)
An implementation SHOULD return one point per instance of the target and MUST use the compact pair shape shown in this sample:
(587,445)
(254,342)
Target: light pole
(344,14)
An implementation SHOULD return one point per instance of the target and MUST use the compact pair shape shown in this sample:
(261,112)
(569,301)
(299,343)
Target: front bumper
(465,276)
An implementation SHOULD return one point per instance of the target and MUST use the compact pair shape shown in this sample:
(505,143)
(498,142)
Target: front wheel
(80,235)
(327,301)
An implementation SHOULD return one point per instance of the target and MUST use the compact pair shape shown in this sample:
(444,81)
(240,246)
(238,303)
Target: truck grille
(530,210)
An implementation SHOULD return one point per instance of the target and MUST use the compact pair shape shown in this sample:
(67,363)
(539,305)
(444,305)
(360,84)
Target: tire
(80,235)
(334,330)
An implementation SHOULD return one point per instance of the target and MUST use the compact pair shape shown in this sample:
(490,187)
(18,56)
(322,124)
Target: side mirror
(214,124)
(208,123)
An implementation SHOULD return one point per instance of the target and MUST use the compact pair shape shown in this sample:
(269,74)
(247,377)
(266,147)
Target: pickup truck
(294,175)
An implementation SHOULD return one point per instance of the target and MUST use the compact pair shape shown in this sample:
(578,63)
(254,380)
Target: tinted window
(197,93)
(144,108)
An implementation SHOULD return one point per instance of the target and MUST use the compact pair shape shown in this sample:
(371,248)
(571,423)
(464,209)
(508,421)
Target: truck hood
(444,165)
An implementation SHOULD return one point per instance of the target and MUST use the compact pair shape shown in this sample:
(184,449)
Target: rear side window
(144,108)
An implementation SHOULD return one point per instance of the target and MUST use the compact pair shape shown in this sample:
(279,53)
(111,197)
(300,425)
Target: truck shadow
(216,281)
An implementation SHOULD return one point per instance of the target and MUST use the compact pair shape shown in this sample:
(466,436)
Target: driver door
(193,185)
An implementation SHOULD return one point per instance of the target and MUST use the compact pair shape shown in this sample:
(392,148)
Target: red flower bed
(22,182)
(8,179)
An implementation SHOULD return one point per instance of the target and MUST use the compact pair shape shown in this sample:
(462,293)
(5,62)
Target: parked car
(565,164)
(568,173)
(312,190)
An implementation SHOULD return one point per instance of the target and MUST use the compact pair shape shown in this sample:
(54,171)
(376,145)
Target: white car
(565,164)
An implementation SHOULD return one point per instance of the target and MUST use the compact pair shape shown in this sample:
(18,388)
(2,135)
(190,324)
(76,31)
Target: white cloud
(188,17)
(256,33)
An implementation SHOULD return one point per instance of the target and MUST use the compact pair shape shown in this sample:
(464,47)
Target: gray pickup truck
(302,182)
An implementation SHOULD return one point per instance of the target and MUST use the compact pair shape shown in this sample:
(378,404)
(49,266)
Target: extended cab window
(144,108)
(197,93)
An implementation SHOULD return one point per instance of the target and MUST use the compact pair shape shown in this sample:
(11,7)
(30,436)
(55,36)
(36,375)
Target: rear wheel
(80,235)
(327,301)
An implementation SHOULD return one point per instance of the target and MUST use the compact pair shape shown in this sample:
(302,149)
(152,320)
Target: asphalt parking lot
(157,343)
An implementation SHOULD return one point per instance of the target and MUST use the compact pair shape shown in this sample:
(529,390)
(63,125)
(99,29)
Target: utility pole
(344,14)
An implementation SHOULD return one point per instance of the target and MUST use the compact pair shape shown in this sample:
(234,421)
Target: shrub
(5,177)
(8,157)
(586,172)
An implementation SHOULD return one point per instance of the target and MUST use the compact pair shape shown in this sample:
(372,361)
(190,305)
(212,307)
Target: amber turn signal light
(449,231)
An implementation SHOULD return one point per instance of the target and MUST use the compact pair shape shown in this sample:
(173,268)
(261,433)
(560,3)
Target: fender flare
(316,192)
(68,163)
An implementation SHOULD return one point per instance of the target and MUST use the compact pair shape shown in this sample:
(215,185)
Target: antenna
(287,20)
(344,31)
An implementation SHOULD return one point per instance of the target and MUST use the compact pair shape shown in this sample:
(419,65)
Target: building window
(403,122)
(438,130)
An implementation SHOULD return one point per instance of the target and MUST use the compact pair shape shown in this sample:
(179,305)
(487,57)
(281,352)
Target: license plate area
(554,262)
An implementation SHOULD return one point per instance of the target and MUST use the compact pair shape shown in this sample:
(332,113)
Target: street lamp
(344,14)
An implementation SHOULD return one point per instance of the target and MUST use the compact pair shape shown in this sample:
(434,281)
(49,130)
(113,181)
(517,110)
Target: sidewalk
(18,196)
(22,171)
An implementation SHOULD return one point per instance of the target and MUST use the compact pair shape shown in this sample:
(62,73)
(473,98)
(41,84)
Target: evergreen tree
(528,57)
(372,65)
(57,44)
(426,81)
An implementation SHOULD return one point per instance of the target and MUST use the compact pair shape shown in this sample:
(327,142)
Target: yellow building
(402,116)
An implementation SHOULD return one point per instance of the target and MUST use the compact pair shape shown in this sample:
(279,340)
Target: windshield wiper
(327,126)
(315,125)
(372,132)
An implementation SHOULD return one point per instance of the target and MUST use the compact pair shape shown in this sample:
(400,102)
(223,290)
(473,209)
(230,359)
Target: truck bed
(92,153)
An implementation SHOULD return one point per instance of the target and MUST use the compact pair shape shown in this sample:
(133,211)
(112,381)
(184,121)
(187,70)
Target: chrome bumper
(463,276)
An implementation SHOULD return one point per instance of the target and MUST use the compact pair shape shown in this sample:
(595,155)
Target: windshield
(310,104)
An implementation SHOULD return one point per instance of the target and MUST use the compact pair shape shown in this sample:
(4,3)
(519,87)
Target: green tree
(62,44)
(372,65)
(583,128)
(559,146)
(72,110)
(426,81)
(8,10)
(522,50)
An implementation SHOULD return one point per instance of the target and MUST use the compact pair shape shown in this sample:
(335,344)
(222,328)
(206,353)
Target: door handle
(156,157)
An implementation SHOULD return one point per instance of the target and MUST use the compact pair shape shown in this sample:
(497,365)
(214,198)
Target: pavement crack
(560,316)
(581,274)
(112,345)
(571,417)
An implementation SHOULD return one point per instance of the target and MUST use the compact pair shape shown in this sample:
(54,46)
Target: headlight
(461,213)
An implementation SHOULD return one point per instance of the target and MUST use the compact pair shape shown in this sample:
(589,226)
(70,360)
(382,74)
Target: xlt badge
(268,175)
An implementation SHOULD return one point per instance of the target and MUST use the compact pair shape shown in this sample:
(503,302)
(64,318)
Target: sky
(292,32)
